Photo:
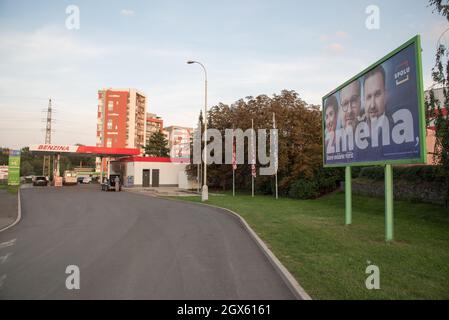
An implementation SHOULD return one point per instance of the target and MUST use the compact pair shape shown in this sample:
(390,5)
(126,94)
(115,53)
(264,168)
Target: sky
(249,47)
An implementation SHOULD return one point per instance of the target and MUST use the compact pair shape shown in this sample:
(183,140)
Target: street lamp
(205,193)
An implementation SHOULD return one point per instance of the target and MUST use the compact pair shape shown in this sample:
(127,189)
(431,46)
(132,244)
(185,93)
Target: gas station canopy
(83,150)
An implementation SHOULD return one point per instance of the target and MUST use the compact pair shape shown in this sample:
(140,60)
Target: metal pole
(198,178)
(252,185)
(252,156)
(348,196)
(205,195)
(388,203)
(101,170)
(276,185)
(277,152)
(233,182)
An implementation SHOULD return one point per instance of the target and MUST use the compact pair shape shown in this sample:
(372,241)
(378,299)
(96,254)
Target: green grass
(10,189)
(329,259)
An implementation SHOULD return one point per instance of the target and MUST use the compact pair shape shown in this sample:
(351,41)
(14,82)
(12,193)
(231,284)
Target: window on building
(110,106)
(109,143)
(110,124)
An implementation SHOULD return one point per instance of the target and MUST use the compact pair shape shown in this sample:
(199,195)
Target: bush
(304,189)
(324,180)
(407,173)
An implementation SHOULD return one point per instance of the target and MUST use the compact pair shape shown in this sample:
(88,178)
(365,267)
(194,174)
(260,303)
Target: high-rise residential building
(153,124)
(121,119)
(179,141)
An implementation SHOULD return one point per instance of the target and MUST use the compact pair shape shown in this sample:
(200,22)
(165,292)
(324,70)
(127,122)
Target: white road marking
(3,259)
(7,243)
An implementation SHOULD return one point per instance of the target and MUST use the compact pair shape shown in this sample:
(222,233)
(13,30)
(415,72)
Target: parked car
(87,180)
(40,181)
(79,180)
(70,177)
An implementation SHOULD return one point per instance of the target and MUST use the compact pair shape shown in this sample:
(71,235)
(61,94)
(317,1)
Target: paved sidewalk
(162,191)
(166,192)
(8,208)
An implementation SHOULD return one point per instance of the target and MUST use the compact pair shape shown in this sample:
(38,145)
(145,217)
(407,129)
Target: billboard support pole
(348,195)
(388,203)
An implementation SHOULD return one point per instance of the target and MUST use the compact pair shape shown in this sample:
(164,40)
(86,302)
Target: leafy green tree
(157,145)
(438,110)
(300,145)
(4,156)
(26,168)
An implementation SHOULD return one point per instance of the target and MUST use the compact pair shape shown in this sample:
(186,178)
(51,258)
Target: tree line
(300,173)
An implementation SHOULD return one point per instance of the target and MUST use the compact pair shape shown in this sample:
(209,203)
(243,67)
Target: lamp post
(205,192)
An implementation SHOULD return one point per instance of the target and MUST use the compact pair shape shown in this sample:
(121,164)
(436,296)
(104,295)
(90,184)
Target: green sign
(14,168)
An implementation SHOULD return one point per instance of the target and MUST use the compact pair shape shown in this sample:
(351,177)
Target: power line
(46,166)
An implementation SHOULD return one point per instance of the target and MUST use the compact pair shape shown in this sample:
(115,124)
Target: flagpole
(233,182)
(252,156)
(234,163)
(276,167)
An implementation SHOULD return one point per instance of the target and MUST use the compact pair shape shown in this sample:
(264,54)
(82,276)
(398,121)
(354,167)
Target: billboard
(378,116)
(14,168)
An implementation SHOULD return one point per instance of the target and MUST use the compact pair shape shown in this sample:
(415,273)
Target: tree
(157,145)
(438,110)
(300,145)
(26,169)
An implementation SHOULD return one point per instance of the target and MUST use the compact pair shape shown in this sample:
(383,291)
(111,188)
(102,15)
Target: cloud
(336,48)
(127,12)
(341,34)
(45,44)
(324,37)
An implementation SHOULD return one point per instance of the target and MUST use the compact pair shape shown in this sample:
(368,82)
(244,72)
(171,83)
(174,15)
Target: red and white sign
(56,148)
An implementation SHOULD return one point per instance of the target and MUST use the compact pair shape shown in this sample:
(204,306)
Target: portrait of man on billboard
(350,98)
(330,115)
(375,96)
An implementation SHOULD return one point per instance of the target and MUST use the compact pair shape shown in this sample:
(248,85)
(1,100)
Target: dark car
(40,181)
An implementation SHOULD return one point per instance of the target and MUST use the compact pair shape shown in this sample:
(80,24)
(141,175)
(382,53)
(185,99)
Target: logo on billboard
(402,72)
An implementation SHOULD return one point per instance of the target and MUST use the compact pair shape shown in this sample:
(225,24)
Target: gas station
(101,152)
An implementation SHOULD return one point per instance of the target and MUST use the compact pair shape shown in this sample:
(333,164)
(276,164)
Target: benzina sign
(378,116)
(53,147)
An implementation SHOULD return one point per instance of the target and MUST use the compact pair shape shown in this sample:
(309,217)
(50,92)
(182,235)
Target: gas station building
(135,170)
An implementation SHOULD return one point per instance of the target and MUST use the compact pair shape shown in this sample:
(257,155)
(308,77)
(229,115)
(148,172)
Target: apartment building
(153,124)
(121,119)
(178,141)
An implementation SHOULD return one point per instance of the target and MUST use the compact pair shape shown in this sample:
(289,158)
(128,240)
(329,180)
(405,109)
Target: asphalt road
(130,246)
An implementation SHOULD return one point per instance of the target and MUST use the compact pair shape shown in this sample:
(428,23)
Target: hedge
(407,173)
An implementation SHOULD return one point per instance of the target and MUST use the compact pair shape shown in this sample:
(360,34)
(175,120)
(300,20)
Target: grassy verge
(329,259)
(10,189)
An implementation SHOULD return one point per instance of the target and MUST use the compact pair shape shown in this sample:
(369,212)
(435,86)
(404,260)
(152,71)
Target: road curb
(289,280)
(19,213)
(286,276)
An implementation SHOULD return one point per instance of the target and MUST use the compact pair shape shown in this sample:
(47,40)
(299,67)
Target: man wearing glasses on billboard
(351,104)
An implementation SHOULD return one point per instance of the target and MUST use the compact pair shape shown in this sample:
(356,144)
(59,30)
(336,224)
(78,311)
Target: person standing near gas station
(117,184)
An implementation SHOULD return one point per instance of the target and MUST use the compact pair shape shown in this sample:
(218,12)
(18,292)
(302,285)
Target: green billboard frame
(422,114)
